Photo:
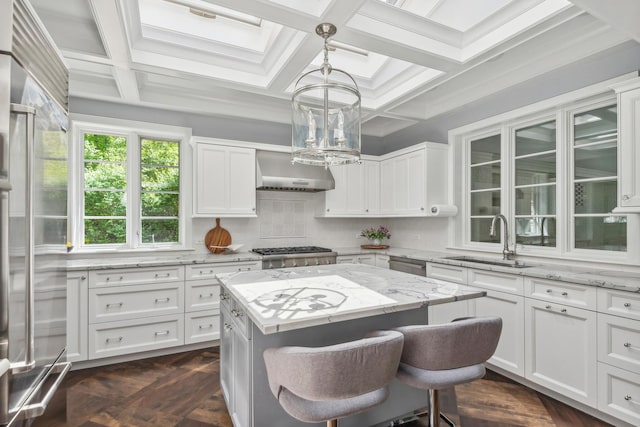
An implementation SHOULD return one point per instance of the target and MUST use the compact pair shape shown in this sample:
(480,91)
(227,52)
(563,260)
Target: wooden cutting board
(217,236)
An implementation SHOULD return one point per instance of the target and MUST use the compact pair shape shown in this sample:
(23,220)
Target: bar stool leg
(434,409)
(332,423)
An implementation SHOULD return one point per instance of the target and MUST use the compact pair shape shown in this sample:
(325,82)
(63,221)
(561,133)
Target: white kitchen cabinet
(382,260)
(135,310)
(369,259)
(509,354)
(445,313)
(414,179)
(619,393)
(77,315)
(628,94)
(450,273)
(504,299)
(235,363)
(619,303)
(201,326)
(357,190)
(560,349)
(224,181)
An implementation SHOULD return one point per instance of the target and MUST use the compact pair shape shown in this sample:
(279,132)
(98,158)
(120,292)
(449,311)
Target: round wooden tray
(374,246)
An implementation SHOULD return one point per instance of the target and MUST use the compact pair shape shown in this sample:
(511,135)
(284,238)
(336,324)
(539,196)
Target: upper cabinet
(224,181)
(357,191)
(628,146)
(413,179)
(403,183)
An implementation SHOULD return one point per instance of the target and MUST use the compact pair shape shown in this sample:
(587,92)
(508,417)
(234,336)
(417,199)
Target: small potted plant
(376,235)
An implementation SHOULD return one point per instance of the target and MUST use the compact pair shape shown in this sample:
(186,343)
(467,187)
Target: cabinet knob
(227,326)
(549,291)
(627,304)
(627,344)
(83,278)
(630,399)
(564,294)
(328,210)
(422,208)
(253,209)
(548,307)
(625,197)
(564,310)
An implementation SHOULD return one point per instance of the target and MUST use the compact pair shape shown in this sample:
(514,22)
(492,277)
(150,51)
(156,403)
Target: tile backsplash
(288,219)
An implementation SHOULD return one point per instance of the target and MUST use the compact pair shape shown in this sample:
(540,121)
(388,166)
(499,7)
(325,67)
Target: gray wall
(622,59)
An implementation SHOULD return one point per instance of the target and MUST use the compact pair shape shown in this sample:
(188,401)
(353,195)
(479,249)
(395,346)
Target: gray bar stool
(318,384)
(435,357)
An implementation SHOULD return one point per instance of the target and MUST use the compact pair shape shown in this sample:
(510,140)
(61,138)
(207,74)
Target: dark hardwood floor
(183,390)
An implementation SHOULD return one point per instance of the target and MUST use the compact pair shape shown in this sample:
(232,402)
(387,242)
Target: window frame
(134,132)
(561,109)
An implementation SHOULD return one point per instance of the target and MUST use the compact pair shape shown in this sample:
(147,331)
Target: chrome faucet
(506,252)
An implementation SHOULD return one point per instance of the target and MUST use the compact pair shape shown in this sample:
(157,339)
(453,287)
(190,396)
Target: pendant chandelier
(326,114)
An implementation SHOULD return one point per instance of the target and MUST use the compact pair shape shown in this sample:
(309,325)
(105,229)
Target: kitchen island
(316,307)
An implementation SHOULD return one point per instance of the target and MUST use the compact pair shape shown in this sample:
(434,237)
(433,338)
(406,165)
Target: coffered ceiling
(412,59)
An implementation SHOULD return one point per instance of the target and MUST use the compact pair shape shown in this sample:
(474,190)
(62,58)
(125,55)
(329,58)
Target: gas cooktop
(290,250)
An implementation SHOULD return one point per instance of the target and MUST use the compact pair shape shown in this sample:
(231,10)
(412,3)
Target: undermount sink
(499,262)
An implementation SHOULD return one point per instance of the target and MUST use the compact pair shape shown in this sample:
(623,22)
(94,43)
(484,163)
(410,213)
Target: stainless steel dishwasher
(408,265)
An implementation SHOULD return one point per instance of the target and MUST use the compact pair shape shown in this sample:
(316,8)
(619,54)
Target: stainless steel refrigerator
(33,215)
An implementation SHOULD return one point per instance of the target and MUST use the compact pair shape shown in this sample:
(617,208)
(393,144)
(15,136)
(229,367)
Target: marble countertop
(134,260)
(614,279)
(293,298)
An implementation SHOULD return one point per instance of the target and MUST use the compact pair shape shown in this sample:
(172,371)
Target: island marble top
(293,298)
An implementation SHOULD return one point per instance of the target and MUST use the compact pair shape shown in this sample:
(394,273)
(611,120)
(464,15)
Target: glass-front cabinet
(485,186)
(534,190)
(555,175)
(595,181)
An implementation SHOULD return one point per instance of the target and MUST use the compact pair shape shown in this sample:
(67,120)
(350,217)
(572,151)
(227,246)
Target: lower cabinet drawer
(619,303)
(202,295)
(502,282)
(619,342)
(565,293)
(619,393)
(450,273)
(202,326)
(135,301)
(132,336)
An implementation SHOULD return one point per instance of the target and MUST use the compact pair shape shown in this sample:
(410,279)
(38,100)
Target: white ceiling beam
(112,31)
(621,15)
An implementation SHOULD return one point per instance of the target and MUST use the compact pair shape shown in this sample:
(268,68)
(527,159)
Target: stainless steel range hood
(275,172)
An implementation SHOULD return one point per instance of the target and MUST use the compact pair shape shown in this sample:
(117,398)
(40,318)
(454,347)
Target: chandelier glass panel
(326,114)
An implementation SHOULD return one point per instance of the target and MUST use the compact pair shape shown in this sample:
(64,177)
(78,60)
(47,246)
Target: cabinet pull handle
(162,333)
(564,294)
(549,291)
(227,326)
(115,304)
(158,275)
(548,307)
(163,300)
(118,339)
(223,296)
(627,304)
(236,313)
(244,268)
(630,399)
(209,326)
(564,310)
(207,296)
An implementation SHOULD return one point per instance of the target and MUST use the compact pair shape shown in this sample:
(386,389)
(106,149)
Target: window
(130,188)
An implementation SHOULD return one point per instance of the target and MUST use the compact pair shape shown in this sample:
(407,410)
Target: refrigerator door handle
(29,357)
(33,410)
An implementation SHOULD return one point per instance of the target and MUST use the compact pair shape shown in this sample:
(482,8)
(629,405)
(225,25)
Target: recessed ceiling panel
(312,7)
